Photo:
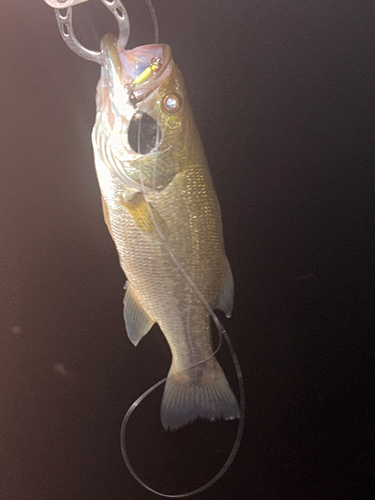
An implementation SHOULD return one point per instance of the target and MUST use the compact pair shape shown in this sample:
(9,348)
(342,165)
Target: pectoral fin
(138,322)
(225,297)
(140,212)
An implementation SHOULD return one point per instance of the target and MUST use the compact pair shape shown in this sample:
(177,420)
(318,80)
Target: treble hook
(65,23)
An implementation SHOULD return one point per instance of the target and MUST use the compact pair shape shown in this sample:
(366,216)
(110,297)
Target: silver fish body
(163,197)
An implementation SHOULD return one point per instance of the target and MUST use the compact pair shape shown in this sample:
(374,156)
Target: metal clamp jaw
(63,4)
(64,16)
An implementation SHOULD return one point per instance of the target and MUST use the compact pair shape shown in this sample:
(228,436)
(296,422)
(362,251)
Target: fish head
(143,119)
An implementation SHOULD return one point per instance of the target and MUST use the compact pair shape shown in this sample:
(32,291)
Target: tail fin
(200,392)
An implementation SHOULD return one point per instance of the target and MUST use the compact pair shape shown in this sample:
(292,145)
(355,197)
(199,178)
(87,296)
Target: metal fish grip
(64,17)
(63,4)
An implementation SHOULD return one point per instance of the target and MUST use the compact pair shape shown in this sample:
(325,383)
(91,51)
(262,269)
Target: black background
(283,94)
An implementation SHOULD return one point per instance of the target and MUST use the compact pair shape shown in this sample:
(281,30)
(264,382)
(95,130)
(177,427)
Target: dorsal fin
(224,300)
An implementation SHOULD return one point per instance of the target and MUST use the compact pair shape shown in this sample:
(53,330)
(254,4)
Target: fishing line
(154,20)
(235,446)
(221,332)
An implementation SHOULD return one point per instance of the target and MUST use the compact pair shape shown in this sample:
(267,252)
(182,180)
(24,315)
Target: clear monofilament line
(221,332)
(154,20)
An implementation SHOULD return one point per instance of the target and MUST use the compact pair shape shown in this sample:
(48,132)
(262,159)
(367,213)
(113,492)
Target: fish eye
(171,103)
(143,133)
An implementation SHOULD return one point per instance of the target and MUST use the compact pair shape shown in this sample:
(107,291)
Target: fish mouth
(152,61)
(135,70)
(126,92)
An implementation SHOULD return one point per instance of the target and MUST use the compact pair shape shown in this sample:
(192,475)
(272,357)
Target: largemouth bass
(158,195)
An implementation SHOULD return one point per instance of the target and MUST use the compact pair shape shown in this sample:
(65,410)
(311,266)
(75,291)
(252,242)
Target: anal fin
(138,322)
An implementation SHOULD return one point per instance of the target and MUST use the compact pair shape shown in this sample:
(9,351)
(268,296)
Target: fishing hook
(65,24)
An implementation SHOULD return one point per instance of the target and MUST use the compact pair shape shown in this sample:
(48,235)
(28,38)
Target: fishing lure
(162,212)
